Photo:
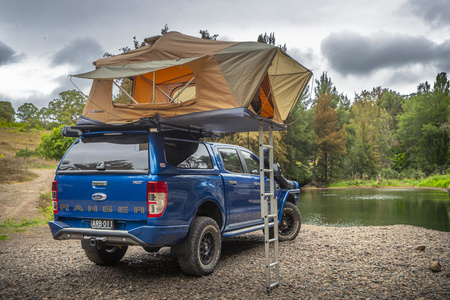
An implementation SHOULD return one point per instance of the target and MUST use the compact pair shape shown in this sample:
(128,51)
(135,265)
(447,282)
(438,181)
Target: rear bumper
(146,236)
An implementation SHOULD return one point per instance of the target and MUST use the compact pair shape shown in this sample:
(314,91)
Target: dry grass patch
(12,140)
(16,169)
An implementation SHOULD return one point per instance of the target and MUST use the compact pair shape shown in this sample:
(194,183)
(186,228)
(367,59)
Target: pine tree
(329,141)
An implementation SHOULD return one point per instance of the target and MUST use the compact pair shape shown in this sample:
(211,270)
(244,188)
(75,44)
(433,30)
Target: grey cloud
(38,100)
(352,53)
(7,54)
(436,12)
(403,76)
(307,57)
(80,53)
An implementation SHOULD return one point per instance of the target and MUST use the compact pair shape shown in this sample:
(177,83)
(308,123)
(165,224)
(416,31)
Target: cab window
(252,162)
(231,160)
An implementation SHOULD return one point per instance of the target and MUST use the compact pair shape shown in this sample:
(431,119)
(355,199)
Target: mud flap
(182,250)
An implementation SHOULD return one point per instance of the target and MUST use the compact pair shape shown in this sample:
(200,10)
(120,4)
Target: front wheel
(106,255)
(290,223)
(204,246)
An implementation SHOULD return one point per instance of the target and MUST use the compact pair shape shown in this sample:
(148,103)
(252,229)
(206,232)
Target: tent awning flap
(113,72)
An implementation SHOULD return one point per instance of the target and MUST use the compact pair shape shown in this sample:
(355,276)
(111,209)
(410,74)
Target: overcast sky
(395,44)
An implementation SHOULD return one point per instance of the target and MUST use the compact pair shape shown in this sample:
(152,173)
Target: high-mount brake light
(156,198)
(55,196)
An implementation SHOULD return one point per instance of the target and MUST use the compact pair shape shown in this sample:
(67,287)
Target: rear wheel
(204,247)
(106,255)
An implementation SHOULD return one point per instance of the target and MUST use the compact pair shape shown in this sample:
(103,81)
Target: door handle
(233,182)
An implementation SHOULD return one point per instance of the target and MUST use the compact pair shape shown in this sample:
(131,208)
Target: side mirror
(276,170)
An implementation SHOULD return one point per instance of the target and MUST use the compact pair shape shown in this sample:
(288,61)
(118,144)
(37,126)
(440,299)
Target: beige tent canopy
(176,74)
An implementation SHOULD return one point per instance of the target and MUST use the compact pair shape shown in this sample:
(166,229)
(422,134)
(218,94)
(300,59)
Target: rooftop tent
(175,75)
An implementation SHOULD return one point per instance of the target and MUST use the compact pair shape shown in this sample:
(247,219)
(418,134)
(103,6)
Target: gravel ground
(322,263)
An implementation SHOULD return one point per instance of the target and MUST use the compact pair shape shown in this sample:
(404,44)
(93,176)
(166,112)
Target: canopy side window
(170,85)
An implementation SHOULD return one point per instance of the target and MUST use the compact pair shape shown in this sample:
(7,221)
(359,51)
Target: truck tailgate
(103,196)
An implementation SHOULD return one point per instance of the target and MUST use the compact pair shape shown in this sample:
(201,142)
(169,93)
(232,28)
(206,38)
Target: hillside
(16,169)
(12,139)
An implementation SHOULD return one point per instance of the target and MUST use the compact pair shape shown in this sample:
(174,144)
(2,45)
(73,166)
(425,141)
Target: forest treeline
(381,133)
(378,134)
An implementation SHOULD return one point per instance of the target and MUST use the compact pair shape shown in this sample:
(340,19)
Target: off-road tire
(290,223)
(105,256)
(204,247)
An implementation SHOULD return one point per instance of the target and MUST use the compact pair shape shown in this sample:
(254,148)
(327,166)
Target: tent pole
(187,84)
(125,92)
(157,88)
(154,84)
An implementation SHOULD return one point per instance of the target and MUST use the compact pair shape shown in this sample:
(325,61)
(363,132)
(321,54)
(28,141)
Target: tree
(324,85)
(329,141)
(363,147)
(165,30)
(270,40)
(424,127)
(392,102)
(27,112)
(206,36)
(338,113)
(298,142)
(6,111)
(67,108)
(54,145)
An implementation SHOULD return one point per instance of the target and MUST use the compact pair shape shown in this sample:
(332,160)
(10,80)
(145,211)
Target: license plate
(102,224)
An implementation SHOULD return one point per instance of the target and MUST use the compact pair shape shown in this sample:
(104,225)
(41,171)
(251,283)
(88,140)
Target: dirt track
(21,199)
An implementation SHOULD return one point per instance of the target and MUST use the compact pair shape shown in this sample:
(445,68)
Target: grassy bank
(436,181)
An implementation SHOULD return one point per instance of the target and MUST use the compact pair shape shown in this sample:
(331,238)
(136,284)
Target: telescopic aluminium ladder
(269,211)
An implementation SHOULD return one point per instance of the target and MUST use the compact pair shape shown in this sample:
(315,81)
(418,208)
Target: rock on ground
(322,263)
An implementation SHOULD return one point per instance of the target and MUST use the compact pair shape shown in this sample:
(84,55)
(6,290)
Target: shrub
(25,152)
(412,174)
(388,173)
(54,146)
(12,169)
(442,181)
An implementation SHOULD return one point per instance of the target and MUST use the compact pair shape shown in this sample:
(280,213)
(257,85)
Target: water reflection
(376,207)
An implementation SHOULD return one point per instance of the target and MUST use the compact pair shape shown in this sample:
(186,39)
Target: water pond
(426,208)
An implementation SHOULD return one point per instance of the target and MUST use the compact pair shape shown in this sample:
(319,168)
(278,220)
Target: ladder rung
(272,240)
(272,216)
(267,146)
(274,284)
(268,194)
(268,170)
(273,264)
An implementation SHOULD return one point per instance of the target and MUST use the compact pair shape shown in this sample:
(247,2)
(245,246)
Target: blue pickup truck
(115,189)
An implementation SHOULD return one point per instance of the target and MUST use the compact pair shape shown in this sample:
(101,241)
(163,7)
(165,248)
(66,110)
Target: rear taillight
(156,198)
(55,196)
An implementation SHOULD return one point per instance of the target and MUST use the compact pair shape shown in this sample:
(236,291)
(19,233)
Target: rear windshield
(108,153)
